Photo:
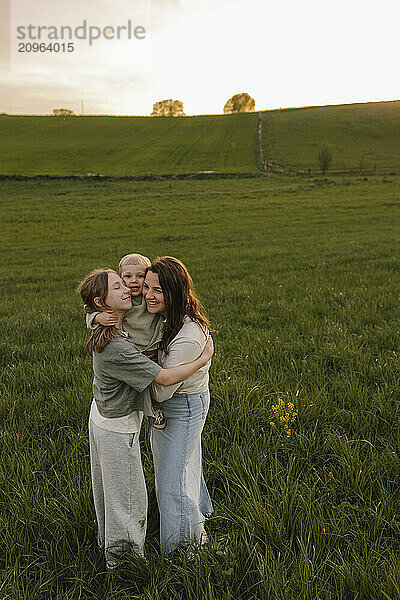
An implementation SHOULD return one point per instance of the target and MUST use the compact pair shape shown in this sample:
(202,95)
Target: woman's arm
(177,374)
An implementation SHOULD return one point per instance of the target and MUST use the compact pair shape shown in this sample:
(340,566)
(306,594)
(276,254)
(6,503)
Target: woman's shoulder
(193,330)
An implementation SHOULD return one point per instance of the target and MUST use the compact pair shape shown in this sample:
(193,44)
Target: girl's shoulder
(119,345)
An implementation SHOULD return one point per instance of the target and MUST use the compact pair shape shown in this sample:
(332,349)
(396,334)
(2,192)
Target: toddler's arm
(106,318)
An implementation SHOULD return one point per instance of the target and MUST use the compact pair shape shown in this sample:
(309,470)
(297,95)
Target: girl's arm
(139,371)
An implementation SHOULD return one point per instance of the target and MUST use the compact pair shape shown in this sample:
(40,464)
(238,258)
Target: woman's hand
(106,318)
(208,350)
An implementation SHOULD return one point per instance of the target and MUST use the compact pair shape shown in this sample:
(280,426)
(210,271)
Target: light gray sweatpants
(119,491)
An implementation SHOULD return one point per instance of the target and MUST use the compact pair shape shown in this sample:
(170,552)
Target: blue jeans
(182,494)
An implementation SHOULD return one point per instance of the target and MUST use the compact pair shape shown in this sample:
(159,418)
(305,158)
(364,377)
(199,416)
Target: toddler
(144,328)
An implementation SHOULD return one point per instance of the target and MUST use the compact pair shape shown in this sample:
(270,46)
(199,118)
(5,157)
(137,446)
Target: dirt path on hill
(264,163)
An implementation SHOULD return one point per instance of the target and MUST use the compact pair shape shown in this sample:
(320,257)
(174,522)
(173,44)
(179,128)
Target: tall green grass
(301,283)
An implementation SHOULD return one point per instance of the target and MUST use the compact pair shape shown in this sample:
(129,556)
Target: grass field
(301,281)
(127,145)
(359,135)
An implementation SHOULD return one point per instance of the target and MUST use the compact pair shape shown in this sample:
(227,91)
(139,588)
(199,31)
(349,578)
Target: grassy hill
(365,135)
(358,135)
(127,145)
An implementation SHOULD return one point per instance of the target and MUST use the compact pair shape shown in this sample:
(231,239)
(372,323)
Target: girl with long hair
(182,494)
(122,376)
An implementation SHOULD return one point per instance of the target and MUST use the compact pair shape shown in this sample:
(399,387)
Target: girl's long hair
(95,285)
(179,297)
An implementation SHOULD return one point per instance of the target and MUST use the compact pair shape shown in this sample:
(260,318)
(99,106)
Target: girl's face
(118,295)
(153,294)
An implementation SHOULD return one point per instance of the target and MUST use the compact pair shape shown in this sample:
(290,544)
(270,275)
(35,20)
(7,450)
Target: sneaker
(160,421)
(203,538)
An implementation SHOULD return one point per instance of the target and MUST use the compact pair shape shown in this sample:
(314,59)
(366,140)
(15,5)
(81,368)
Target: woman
(122,376)
(182,494)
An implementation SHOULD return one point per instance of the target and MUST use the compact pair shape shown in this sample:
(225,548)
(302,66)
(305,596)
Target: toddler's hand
(106,318)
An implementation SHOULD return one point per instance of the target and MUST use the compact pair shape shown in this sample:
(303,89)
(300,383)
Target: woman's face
(153,294)
(118,295)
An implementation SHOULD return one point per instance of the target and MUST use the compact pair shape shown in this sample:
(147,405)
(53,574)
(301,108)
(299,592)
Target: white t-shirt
(186,346)
(129,424)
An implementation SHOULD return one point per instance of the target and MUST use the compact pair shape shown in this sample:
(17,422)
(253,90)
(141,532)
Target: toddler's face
(133,277)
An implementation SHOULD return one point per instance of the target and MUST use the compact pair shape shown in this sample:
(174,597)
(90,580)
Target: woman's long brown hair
(179,297)
(95,285)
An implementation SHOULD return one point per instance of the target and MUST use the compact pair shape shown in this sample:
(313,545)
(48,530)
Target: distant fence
(359,171)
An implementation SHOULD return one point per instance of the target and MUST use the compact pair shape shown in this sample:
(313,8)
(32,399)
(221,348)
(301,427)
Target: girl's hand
(106,318)
(208,350)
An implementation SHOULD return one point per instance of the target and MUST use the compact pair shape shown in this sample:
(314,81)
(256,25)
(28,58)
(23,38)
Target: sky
(282,52)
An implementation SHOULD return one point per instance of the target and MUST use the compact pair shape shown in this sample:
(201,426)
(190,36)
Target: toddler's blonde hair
(133,259)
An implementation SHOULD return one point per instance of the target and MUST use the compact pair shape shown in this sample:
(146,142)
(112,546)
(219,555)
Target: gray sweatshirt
(121,378)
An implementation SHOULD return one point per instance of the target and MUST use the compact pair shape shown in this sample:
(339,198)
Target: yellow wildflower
(284,414)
